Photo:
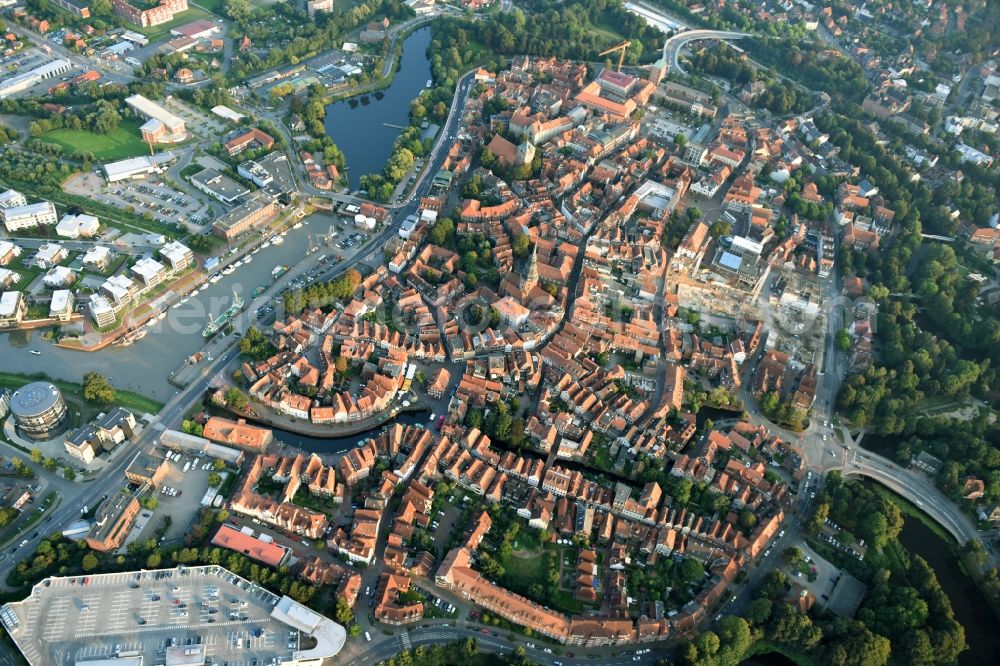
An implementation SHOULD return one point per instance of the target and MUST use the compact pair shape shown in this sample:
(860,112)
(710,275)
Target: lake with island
(365,127)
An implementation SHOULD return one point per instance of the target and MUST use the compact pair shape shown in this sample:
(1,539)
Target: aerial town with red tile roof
(565,349)
(574,362)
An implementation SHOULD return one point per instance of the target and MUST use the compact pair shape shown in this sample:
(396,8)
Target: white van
(368,637)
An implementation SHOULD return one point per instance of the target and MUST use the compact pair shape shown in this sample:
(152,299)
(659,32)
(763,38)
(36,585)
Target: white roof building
(9,303)
(28,216)
(59,276)
(101,310)
(61,303)
(227,113)
(136,166)
(149,270)
(8,277)
(177,254)
(13,84)
(119,287)
(8,250)
(49,254)
(154,112)
(97,256)
(74,226)
(329,636)
(12,198)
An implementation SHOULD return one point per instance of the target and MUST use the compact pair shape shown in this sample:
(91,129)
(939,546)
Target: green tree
(236,399)
(214,479)
(90,562)
(7,514)
(100,7)
(343,612)
(521,245)
(97,388)
(843,340)
(153,560)
(36,455)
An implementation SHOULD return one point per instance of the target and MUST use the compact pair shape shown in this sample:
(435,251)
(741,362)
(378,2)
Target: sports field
(123,142)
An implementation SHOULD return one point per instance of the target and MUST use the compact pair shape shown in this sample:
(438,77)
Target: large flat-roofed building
(273,629)
(39,410)
(12,308)
(29,216)
(219,185)
(15,84)
(255,173)
(161,125)
(245,217)
(112,523)
(135,167)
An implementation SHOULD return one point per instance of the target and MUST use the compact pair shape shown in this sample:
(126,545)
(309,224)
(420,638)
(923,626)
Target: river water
(328,445)
(145,365)
(362,127)
(982,629)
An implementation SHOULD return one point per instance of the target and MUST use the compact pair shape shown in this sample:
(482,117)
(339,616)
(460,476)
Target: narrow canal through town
(365,127)
(333,445)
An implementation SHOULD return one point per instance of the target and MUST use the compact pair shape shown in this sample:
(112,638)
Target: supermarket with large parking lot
(186,616)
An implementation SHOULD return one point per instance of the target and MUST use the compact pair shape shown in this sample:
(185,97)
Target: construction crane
(621,48)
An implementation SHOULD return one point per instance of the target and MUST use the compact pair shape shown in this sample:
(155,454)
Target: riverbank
(366,132)
(766,652)
(264,417)
(395,57)
(963,558)
(130,400)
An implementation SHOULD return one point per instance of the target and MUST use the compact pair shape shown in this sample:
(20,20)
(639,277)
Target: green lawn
(127,399)
(527,570)
(123,142)
(214,6)
(607,31)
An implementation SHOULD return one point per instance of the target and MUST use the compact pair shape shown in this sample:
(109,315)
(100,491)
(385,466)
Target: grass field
(127,399)
(214,6)
(527,570)
(123,142)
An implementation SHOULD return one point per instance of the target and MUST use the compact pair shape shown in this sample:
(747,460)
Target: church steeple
(531,279)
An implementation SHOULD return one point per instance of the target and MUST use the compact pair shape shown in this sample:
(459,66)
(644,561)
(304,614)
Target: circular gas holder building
(39,410)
